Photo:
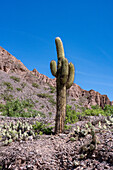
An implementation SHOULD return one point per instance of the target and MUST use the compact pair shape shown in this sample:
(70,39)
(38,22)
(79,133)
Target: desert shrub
(35,85)
(67,127)
(18,89)
(41,114)
(51,100)
(94,111)
(1,106)
(50,114)
(23,84)
(8,85)
(17,108)
(97,110)
(95,107)
(41,128)
(108,110)
(44,95)
(16,79)
(45,88)
(42,106)
(71,115)
(73,99)
(52,89)
(7,97)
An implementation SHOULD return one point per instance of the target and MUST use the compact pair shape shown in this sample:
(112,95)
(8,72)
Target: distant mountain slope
(29,84)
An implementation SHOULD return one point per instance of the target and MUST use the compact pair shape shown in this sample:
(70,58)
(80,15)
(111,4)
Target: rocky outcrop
(43,78)
(90,97)
(9,64)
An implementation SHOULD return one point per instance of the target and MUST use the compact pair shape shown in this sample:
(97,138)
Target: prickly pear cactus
(64,73)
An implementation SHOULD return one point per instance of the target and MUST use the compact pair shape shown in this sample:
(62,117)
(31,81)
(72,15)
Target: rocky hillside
(17,81)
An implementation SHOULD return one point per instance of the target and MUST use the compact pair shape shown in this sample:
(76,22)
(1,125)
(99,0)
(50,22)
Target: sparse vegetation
(23,84)
(73,99)
(50,114)
(52,101)
(42,106)
(1,107)
(16,79)
(67,127)
(35,85)
(41,114)
(52,89)
(45,88)
(36,101)
(7,97)
(44,95)
(8,85)
(18,89)
(71,115)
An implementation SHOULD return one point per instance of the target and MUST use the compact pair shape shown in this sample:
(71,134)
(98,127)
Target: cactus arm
(71,76)
(59,48)
(64,71)
(53,68)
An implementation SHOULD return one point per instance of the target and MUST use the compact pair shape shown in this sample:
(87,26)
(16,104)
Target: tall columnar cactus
(64,73)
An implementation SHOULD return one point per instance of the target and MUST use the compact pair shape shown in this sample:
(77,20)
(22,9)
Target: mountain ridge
(11,65)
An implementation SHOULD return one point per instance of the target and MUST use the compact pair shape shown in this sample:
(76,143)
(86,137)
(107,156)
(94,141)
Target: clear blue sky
(28,30)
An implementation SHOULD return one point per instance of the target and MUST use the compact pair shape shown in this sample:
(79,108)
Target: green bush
(52,89)
(73,99)
(108,110)
(41,107)
(23,84)
(94,111)
(1,107)
(16,79)
(19,89)
(35,85)
(44,95)
(7,97)
(97,110)
(52,101)
(36,101)
(67,127)
(17,108)
(50,114)
(71,115)
(41,128)
(41,114)
(8,85)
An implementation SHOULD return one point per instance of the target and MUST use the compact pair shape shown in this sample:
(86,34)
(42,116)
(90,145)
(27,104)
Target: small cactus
(64,73)
(12,132)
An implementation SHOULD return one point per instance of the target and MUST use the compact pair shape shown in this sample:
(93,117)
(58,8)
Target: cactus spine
(64,73)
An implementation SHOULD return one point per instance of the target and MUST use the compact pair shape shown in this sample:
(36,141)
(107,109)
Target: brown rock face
(90,97)
(9,64)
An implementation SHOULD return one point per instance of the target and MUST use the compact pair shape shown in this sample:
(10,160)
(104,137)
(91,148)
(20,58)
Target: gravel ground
(58,152)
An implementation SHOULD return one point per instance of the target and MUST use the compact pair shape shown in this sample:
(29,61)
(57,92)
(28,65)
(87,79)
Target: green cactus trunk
(64,74)
(60,107)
